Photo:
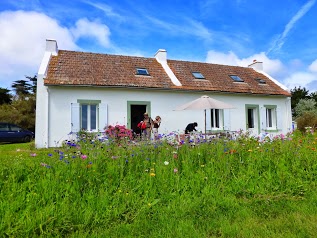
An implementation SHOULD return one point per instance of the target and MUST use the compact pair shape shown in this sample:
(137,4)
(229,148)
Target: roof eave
(179,89)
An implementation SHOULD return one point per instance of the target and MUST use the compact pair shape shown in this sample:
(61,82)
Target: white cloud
(23,36)
(270,66)
(85,28)
(291,75)
(22,43)
(313,66)
(302,79)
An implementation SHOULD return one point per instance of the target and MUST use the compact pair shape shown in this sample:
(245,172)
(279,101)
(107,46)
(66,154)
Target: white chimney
(51,46)
(256,65)
(161,56)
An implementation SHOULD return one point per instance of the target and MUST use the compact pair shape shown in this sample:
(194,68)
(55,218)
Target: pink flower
(83,157)
(175,170)
(33,154)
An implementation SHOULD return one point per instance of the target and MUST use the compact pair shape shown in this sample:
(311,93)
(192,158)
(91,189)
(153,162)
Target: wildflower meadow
(113,186)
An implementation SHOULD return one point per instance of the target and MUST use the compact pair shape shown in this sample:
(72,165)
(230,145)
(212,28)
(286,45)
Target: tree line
(18,105)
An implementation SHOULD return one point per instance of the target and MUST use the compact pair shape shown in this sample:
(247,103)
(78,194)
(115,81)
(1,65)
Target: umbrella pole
(205,126)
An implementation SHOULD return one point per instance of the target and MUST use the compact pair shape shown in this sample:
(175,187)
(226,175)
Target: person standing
(148,128)
(156,125)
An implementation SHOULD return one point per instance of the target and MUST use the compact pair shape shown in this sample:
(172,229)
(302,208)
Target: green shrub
(308,119)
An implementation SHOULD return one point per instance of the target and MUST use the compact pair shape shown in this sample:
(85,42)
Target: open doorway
(137,112)
(252,116)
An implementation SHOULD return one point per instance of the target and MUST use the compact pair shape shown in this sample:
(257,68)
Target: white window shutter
(279,119)
(262,119)
(226,120)
(103,116)
(75,117)
(208,119)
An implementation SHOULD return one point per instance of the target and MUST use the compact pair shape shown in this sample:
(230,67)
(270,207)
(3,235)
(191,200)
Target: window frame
(89,104)
(271,112)
(140,70)
(216,117)
(236,78)
(91,117)
(198,75)
(260,81)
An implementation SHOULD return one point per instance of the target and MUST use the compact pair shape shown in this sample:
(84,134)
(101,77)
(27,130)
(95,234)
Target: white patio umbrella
(204,103)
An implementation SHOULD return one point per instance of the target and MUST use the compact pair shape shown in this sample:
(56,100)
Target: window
(15,128)
(216,119)
(89,115)
(270,116)
(4,127)
(142,71)
(261,81)
(198,75)
(236,78)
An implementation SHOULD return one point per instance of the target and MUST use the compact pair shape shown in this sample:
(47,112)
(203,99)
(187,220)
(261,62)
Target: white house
(79,90)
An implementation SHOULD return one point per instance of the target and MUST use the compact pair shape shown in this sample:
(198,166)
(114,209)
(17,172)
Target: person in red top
(148,128)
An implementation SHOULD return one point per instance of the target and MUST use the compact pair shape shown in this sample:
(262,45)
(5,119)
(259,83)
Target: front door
(252,117)
(137,112)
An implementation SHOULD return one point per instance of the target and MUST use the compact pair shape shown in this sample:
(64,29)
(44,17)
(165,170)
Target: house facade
(89,91)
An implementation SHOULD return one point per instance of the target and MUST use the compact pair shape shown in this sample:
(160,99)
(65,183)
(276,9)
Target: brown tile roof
(91,69)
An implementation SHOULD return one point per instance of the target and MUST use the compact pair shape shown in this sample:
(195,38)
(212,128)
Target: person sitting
(191,127)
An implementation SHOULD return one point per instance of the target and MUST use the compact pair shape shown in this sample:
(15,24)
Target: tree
(5,97)
(297,94)
(21,112)
(34,82)
(313,96)
(21,87)
(21,109)
(305,105)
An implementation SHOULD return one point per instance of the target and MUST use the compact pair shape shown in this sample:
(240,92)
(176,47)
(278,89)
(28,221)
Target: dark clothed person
(191,127)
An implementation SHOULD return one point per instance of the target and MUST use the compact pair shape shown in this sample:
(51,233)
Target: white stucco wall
(162,103)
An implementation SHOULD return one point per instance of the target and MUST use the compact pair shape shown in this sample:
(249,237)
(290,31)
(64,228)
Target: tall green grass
(222,188)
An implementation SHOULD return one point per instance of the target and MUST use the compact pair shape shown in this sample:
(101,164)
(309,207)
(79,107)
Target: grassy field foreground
(241,188)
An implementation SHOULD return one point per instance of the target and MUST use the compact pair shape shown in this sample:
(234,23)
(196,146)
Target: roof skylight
(236,78)
(142,71)
(261,81)
(198,75)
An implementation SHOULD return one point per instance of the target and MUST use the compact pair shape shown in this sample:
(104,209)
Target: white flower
(166,162)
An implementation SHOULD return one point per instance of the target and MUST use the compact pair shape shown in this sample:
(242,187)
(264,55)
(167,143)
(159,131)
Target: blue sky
(281,34)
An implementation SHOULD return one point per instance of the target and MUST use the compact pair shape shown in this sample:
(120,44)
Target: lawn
(220,188)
